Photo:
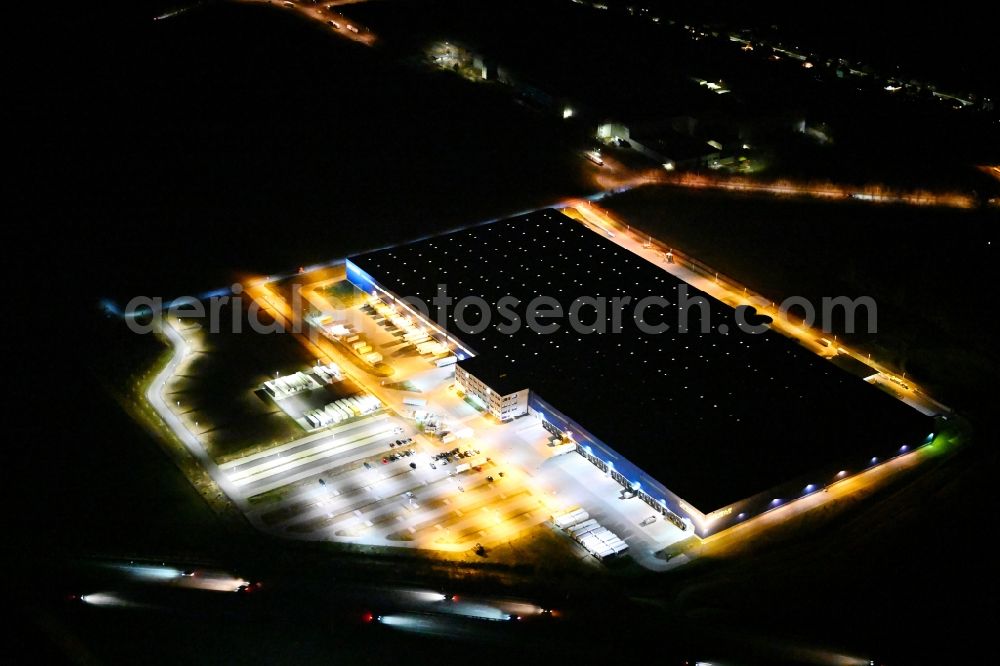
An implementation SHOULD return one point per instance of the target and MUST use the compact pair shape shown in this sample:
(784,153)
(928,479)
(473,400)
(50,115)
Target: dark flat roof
(716,418)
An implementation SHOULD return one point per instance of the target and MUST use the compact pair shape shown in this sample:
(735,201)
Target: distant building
(671,143)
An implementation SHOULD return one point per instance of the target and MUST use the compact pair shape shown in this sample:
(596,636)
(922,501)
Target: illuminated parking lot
(425,464)
(342,484)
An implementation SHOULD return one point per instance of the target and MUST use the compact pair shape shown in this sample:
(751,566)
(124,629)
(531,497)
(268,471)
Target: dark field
(609,65)
(241,138)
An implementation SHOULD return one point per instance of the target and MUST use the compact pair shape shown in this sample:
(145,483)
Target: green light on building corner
(941,443)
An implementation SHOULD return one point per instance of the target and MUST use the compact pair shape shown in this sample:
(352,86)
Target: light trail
(175,12)
(615,177)
(337,23)
(870,193)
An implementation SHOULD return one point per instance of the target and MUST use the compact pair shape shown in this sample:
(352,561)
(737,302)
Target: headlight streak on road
(431,625)
(425,596)
(171,14)
(200,579)
(434,602)
(214,582)
(149,572)
(479,611)
(102,599)
(113,600)
(434,625)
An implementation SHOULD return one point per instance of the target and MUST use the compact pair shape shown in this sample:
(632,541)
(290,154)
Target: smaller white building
(503,402)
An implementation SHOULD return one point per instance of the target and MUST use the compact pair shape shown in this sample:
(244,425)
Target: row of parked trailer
(599,541)
(413,334)
(363,348)
(345,408)
(283,387)
(355,341)
(337,330)
(357,344)
(329,373)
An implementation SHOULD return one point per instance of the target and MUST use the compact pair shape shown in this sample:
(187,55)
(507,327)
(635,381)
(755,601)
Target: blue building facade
(361,279)
(613,464)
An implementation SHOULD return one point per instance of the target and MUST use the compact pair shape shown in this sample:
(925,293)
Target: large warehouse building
(709,426)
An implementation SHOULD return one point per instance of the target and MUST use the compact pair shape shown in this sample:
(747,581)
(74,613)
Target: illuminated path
(871,194)
(154,394)
(616,178)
